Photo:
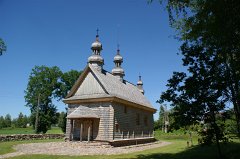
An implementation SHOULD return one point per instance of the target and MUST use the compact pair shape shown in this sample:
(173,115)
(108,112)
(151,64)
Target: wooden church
(103,106)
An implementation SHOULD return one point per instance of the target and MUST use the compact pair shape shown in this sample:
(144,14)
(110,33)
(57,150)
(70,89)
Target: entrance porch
(83,129)
(84,124)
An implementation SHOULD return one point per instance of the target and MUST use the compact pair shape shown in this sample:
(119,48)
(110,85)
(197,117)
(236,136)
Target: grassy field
(177,150)
(28,130)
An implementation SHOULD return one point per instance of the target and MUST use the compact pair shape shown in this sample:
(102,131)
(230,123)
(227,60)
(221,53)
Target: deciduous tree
(66,82)
(46,83)
(42,84)
(62,121)
(8,120)
(210,32)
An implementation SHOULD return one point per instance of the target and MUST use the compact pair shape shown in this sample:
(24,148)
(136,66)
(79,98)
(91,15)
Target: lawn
(28,130)
(177,150)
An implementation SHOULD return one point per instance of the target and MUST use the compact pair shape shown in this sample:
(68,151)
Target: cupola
(140,85)
(96,59)
(118,71)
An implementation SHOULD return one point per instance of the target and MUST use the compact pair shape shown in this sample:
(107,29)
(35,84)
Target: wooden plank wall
(127,124)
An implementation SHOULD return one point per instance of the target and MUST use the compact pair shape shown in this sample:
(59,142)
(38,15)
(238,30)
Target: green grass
(55,130)
(28,130)
(175,136)
(177,150)
(10,131)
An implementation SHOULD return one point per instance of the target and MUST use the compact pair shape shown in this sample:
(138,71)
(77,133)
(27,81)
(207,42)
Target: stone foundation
(30,137)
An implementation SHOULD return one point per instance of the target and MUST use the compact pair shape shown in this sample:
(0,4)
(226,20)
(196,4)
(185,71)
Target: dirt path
(74,149)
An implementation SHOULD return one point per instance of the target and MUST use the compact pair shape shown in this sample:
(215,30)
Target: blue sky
(60,33)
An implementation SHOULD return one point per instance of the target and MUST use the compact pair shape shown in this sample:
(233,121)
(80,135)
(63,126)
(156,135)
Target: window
(125,109)
(138,119)
(146,121)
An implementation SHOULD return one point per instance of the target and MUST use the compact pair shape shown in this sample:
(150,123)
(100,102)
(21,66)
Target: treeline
(168,122)
(23,121)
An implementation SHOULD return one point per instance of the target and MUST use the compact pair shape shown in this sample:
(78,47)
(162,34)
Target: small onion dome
(118,57)
(95,58)
(96,45)
(117,70)
(140,85)
(139,82)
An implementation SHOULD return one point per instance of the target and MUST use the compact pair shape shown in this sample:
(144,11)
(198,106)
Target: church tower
(140,85)
(96,59)
(117,71)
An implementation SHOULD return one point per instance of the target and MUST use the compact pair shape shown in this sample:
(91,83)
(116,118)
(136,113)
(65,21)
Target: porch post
(71,128)
(81,131)
(89,130)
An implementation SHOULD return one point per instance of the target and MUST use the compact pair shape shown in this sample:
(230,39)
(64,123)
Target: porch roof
(82,112)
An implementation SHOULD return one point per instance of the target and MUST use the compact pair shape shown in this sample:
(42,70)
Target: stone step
(91,144)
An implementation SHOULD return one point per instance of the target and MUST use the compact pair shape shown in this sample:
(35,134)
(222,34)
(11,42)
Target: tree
(209,31)
(203,30)
(67,80)
(3,47)
(229,120)
(2,122)
(8,120)
(62,121)
(42,84)
(46,83)
(21,121)
(161,116)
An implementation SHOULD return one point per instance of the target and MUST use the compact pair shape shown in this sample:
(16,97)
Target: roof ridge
(123,79)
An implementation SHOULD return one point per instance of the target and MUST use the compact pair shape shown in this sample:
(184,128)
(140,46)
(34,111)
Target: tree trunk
(37,115)
(216,130)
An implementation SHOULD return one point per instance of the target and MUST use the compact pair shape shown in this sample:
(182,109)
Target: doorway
(87,129)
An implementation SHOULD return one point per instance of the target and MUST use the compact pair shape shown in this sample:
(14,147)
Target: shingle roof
(114,88)
(83,112)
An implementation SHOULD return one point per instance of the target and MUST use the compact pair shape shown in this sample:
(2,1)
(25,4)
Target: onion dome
(96,45)
(118,70)
(140,81)
(96,59)
(118,57)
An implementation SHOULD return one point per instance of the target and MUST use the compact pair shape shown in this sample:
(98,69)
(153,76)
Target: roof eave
(109,99)
(82,117)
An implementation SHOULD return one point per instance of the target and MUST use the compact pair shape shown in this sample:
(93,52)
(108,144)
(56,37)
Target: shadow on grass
(230,151)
